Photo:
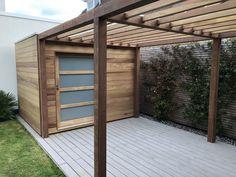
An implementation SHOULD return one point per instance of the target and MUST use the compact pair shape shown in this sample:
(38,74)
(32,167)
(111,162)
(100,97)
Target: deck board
(138,147)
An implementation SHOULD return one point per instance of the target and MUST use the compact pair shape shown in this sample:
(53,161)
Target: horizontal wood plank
(76,72)
(77,104)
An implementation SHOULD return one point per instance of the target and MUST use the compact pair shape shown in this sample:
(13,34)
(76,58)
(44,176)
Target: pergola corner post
(43,89)
(214,79)
(100,59)
(136,83)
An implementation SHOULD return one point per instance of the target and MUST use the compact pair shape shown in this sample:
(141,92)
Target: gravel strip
(190,129)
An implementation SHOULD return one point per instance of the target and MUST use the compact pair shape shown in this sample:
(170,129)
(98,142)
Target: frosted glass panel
(76,80)
(76,63)
(74,113)
(76,96)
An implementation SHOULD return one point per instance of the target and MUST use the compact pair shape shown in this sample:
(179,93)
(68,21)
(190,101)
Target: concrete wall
(2,5)
(14,28)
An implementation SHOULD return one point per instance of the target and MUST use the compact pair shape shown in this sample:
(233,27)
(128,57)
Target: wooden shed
(70,89)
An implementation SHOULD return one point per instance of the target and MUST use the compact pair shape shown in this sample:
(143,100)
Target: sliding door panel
(75,90)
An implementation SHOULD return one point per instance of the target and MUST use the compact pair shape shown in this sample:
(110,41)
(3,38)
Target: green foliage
(7,106)
(196,83)
(20,155)
(160,80)
(227,79)
(178,66)
(197,72)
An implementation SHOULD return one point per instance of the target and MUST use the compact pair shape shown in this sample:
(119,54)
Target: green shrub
(196,71)
(178,67)
(159,81)
(7,106)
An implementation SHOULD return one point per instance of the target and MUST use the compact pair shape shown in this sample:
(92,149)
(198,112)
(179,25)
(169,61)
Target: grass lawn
(20,155)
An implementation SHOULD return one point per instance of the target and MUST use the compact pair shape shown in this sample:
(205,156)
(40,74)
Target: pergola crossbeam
(154,25)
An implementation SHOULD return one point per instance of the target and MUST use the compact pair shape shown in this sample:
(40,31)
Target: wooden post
(214,79)
(136,82)
(43,89)
(100,58)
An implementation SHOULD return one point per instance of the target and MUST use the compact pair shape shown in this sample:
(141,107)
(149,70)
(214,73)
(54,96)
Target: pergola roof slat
(151,38)
(110,27)
(150,7)
(209,16)
(215,29)
(149,22)
(178,36)
(130,32)
(172,41)
(230,4)
(181,8)
(224,31)
(107,10)
(210,26)
(210,21)
(144,34)
(78,30)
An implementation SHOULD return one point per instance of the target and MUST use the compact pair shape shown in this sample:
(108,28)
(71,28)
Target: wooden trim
(136,82)
(43,89)
(105,10)
(214,79)
(100,59)
(76,72)
(77,104)
(40,93)
(67,89)
(76,122)
(58,104)
(74,54)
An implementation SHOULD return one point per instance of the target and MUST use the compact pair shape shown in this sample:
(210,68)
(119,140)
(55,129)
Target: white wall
(12,29)
(2,5)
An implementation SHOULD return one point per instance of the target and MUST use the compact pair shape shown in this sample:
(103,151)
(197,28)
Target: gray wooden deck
(143,148)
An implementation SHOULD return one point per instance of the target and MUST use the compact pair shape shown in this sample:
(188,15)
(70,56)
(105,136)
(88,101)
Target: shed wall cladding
(228,119)
(28,81)
(120,75)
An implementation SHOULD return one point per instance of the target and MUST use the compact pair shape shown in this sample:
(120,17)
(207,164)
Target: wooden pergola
(141,23)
